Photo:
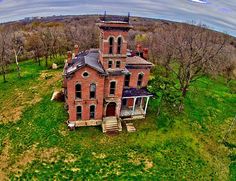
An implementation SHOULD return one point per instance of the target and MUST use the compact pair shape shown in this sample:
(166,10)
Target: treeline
(195,49)
(40,40)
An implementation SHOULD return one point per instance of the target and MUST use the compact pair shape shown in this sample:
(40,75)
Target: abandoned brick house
(106,85)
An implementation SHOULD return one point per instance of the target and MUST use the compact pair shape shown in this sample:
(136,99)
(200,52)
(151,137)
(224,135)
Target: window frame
(119,45)
(92,92)
(118,64)
(79,113)
(111,41)
(110,63)
(140,80)
(112,90)
(127,80)
(78,91)
(92,114)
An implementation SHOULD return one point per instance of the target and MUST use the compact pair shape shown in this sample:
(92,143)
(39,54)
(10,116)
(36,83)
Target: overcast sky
(217,14)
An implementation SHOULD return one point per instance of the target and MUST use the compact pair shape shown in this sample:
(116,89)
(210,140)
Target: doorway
(111,109)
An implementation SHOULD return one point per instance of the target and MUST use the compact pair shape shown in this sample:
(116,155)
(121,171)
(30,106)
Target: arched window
(92,111)
(111,43)
(92,91)
(119,45)
(140,80)
(112,88)
(78,93)
(78,112)
(127,80)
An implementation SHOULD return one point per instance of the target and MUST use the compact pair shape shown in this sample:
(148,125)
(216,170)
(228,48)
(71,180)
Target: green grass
(187,146)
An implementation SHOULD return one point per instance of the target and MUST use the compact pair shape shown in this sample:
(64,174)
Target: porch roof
(133,92)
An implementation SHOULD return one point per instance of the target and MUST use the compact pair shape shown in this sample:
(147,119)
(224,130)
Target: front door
(111,109)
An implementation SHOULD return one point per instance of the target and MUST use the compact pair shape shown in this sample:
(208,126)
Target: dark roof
(89,58)
(112,18)
(130,92)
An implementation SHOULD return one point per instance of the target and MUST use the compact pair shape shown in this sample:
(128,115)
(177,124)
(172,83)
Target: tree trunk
(17,65)
(38,58)
(4,74)
(46,61)
(184,91)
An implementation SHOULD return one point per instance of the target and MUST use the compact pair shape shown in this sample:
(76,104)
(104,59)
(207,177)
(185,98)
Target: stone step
(112,128)
(111,124)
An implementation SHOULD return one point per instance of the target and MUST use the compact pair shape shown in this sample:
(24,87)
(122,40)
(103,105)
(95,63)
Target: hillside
(36,144)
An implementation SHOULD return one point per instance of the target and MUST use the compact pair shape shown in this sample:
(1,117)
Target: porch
(134,103)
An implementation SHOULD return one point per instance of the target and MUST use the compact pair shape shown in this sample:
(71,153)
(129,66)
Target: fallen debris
(54,66)
(130,127)
(57,96)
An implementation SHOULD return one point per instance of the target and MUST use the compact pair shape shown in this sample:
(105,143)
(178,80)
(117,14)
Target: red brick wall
(85,102)
(134,77)
(104,47)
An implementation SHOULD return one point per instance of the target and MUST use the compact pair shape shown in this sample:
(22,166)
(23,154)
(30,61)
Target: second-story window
(110,64)
(112,88)
(92,91)
(111,43)
(92,112)
(140,80)
(78,93)
(127,80)
(117,64)
(119,45)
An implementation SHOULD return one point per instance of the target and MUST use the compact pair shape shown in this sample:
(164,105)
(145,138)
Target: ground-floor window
(78,112)
(92,111)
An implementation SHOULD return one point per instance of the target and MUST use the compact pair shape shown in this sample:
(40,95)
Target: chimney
(69,57)
(139,49)
(76,49)
(145,53)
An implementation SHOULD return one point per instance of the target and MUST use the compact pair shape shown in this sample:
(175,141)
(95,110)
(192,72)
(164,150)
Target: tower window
(92,111)
(78,93)
(110,64)
(117,64)
(140,79)
(127,80)
(119,45)
(78,112)
(112,88)
(92,91)
(111,43)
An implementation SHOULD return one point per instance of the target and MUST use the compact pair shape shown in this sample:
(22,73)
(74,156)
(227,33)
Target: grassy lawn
(36,144)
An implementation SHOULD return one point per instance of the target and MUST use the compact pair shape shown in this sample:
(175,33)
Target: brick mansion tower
(107,85)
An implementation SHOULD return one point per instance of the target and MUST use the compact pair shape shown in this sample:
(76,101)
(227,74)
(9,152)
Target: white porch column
(141,103)
(134,102)
(145,110)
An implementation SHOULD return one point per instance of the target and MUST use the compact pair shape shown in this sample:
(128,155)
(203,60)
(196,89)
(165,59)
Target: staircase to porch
(111,124)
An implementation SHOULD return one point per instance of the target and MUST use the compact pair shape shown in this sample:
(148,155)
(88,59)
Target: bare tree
(189,52)
(34,44)
(4,51)
(17,47)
